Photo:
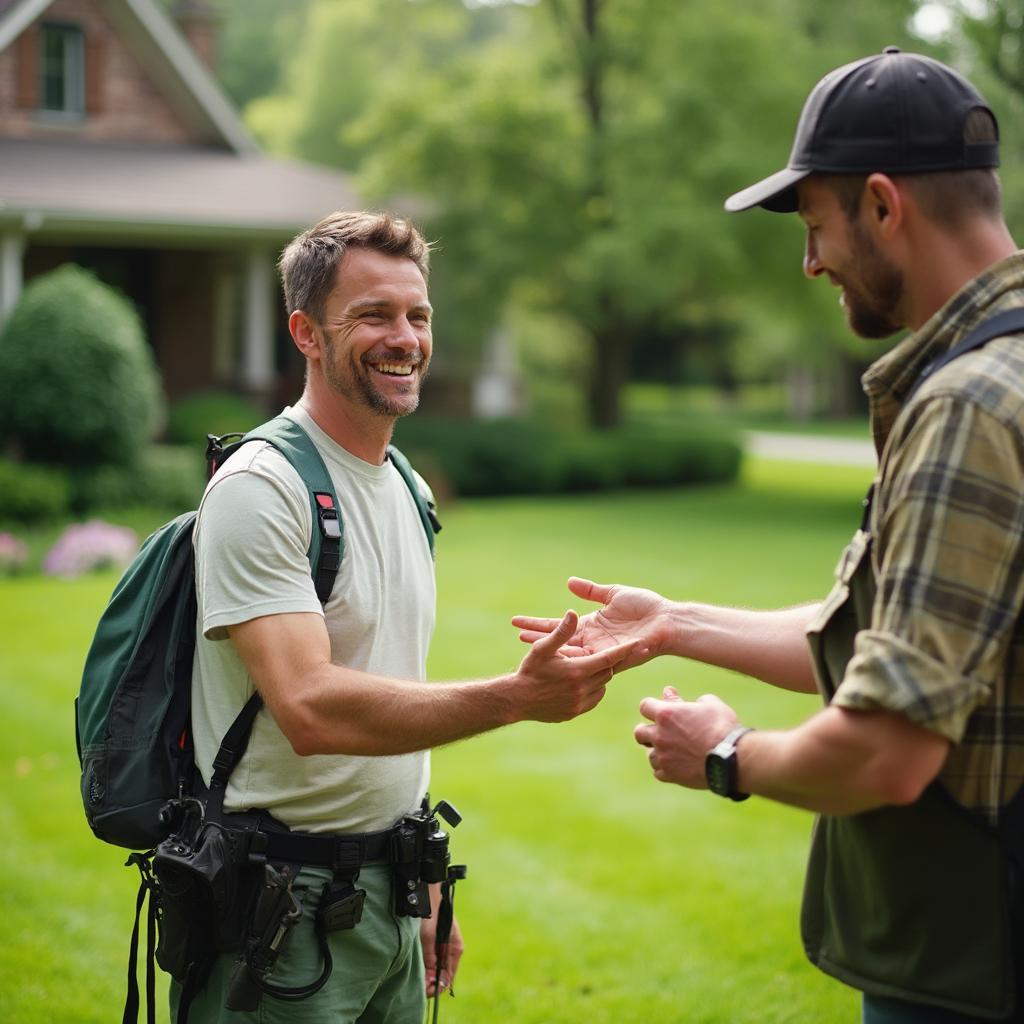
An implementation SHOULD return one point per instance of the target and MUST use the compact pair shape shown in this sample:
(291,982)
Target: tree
(585,147)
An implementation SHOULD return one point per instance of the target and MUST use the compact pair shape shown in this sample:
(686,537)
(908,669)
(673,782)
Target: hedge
(211,412)
(495,457)
(30,494)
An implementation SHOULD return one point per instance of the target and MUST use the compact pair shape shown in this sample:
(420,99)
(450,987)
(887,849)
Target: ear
(883,205)
(305,334)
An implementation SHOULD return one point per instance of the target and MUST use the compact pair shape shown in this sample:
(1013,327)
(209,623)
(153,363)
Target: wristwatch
(720,766)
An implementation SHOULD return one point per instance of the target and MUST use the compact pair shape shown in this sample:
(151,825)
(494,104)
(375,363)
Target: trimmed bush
(590,462)
(211,412)
(79,386)
(523,457)
(31,494)
(170,477)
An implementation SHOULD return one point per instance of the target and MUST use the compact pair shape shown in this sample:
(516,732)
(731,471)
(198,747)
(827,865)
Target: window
(62,69)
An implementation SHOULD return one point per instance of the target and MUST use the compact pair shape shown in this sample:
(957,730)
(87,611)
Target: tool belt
(222,883)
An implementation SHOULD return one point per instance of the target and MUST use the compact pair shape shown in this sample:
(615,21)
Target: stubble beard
(356,385)
(872,305)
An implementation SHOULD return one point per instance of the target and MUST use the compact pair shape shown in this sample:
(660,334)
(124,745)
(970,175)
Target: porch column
(12,249)
(259,287)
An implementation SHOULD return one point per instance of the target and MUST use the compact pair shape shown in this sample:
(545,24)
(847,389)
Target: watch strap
(724,753)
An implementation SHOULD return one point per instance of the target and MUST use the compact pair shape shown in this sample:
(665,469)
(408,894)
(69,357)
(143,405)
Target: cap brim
(776,193)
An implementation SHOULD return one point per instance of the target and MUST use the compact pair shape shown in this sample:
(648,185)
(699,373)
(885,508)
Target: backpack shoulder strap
(327,543)
(427,509)
(1010,321)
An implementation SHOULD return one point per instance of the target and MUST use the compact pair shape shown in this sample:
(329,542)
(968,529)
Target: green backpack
(133,711)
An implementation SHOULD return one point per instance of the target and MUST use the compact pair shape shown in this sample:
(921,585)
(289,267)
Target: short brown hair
(310,261)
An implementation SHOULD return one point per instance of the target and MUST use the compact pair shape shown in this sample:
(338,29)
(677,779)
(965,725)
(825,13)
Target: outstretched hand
(627,614)
(552,685)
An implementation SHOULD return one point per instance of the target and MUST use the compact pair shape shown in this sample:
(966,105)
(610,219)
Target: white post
(258,323)
(12,249)
(497,388)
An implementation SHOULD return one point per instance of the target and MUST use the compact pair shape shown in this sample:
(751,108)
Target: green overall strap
(1010,321)
(425,507)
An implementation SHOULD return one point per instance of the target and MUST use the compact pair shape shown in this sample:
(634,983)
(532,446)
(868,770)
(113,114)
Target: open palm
(626,613)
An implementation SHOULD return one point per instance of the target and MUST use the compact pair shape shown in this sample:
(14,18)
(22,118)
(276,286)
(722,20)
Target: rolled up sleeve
(949,561)
(888,674)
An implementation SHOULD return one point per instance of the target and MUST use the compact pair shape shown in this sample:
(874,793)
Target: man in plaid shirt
(915,764)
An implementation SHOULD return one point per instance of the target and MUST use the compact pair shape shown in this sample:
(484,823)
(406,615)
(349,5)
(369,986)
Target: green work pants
(378,966)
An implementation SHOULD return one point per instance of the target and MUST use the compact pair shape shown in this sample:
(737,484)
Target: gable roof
(170,61)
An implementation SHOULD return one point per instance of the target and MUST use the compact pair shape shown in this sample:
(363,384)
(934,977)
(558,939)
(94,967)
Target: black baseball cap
(896,113)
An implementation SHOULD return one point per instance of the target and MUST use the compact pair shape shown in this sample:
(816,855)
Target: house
(120,152)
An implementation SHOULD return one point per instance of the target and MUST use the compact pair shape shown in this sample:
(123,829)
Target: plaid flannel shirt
(945,646)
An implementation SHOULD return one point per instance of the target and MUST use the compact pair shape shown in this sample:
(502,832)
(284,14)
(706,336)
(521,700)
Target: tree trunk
(608,373)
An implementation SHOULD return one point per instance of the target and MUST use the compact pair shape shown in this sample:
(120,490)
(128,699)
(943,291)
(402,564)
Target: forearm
(842,762)
(768,645)
(324,708)
(341,711)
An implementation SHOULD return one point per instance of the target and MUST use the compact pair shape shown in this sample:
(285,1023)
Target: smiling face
(842,248)
(376,332)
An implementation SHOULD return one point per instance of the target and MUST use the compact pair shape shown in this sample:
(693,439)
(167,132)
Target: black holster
(206,888)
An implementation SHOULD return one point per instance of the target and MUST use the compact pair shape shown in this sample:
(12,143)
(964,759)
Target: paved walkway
(810,448)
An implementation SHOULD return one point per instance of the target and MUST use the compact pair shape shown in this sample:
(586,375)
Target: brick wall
(122,102)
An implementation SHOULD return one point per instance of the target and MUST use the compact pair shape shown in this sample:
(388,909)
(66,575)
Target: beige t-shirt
(251,539)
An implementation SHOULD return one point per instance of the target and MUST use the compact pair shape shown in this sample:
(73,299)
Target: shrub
(32,493)
(211,412)
(590,462)
(79,386)
(170,477)
(524,457)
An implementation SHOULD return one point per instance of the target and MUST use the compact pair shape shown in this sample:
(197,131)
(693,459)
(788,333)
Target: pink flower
(83,547)
(13,554)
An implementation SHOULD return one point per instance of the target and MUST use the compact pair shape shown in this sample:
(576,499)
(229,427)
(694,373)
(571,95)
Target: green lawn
(594,893)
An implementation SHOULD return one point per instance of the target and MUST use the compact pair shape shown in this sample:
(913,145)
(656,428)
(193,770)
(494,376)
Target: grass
(594,893)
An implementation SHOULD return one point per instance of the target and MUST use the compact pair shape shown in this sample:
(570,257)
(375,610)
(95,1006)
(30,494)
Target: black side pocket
(206,892)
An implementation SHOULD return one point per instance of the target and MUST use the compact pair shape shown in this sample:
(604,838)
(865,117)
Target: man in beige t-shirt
(342,742)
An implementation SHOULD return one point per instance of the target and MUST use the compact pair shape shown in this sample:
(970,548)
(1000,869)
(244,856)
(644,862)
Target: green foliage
(31,494)
(170,477)
(500,457)
(254,43)
(212,412)
(589,163)
(78,387)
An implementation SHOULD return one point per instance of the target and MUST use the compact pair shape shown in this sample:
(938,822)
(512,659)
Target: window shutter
(28,68)
(95,70)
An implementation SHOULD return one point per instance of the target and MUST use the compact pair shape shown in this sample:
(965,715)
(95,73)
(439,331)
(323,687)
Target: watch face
(717,773)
